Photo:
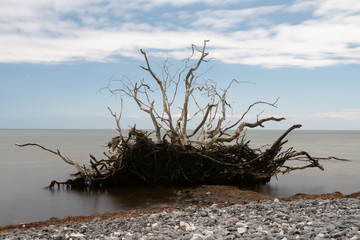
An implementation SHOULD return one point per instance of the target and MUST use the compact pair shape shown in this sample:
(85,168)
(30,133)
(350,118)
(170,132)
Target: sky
(57,56)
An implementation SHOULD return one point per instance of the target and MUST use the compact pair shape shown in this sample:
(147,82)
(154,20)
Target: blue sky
(55,56)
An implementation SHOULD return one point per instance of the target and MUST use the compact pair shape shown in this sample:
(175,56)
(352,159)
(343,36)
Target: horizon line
(147,129)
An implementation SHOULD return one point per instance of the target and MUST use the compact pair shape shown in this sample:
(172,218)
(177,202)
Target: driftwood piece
(174,156)
(140,161)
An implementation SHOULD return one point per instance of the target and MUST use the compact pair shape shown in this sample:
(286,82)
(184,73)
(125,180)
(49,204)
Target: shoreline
(202,196)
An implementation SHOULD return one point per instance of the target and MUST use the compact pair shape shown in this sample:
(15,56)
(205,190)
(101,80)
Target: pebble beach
(302,219)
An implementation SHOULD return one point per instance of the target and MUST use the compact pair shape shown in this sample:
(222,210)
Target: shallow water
(338,175)
(24,172)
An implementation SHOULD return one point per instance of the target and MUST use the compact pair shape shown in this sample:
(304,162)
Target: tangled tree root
(175,158)
(138,160)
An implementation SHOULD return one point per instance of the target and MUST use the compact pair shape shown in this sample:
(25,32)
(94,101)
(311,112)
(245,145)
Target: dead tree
(215,151)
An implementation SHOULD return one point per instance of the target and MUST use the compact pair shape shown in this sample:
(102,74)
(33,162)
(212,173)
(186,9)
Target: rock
(111,238)
(182,224)
(208,233)
(233,220)
(58,236)
(230,237)
(155,226)
(190,227)
(241,224)
(76,235)
(154,216)
(187,226)
(330,227)
(320,235)
(241,230)
(197,236)
(204,213)
(214,205)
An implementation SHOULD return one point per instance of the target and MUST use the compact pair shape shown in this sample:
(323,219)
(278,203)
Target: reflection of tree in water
(126,198)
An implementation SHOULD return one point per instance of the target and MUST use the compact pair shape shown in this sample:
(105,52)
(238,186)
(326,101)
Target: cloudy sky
(56,55)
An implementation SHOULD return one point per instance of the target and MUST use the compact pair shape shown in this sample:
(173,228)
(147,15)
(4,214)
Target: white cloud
(57,31)
(154,3)
(303,5)
(343,119)
(351,114)
(220,19)
(335,7)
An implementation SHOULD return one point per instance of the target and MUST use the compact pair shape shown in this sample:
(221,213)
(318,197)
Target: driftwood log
(138,160)
(214,152)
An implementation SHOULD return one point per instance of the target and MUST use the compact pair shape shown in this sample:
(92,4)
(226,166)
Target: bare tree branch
(175,157)
(241,128)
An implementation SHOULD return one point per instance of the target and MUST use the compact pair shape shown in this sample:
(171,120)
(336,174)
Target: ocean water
(25,172)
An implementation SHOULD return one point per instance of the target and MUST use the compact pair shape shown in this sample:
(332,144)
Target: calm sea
(24,172)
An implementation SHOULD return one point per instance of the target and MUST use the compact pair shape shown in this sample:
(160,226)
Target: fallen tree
(215,151)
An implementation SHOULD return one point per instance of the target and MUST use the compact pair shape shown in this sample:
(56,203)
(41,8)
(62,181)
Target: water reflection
(125,198)
(64,202)
(338,176)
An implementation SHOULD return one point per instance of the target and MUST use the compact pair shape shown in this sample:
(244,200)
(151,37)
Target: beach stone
(203,213)
(190,227)
(330,227)
(210,238)
(111,238)
(320,235)
(311,210)
(197,236)
(214,205)
(154,216)
(241,224)
(241,230)
(230,237)
(208,233)
(155,226)
(233,220)
(76,235)
(58,236)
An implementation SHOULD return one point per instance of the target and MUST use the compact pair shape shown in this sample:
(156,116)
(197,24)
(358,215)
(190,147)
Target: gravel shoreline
(302,219)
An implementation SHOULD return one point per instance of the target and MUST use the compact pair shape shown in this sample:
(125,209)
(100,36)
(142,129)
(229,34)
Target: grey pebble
(303,219)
